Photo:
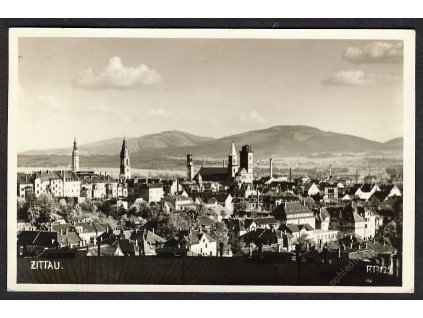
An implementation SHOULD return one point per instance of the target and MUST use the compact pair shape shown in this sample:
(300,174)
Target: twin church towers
(124,171)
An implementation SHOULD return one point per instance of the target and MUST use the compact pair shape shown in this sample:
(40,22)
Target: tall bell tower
(232,162)
(190,167)
(75,156)
(125,170)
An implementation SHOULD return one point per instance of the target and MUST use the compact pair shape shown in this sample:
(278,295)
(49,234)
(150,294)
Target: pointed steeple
(232,151)
(124,161)
(124,146)
(75,146)
(75,156)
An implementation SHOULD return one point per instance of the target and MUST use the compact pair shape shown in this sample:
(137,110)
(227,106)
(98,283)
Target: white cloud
(51,101)
(375,52)
(98,108)
(358,77)
(117,76)
(252,117)
(159,112)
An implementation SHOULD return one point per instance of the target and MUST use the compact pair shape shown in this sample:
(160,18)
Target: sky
(101,88)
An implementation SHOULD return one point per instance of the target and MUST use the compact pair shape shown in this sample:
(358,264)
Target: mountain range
(277,141)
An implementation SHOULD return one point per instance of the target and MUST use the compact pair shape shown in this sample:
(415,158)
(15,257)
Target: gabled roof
(92,227)
(264,221)
(24,178)
(213,173)
(189,237)
(152,186)
(295,208)
(70,238)
(41,238)
(126,246)
(379,248)
(261,236)
(147,236)
(367,187)
(293,228)
(381,195)
(205,220)
(61,227)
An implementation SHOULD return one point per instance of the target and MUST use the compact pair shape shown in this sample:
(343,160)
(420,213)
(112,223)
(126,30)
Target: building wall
(72,189)
(204,247)
(302,220)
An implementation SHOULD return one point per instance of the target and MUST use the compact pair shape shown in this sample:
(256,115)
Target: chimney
(51,226)
(339,252)
(271,168)
(152,230)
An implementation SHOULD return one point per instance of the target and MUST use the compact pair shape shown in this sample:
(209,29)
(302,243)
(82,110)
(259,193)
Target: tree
(42,209)
(203,210)
(88,206)
(302,242)
(220,232)
(22,210)
(170,225)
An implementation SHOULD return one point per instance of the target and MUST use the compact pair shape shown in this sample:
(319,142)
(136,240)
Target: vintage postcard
(211,160)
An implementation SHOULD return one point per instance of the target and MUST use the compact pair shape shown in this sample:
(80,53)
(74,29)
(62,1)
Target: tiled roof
(205,220)
(295,208)
(293,228)
(213,173)
(264,221)
(126,246)
(92,227)
(70,238)
(41,238)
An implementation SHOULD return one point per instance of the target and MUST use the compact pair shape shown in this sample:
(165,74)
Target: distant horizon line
(124,136)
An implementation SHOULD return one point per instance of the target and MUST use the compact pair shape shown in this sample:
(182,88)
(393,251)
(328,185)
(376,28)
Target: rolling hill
(277,141)
(163,140)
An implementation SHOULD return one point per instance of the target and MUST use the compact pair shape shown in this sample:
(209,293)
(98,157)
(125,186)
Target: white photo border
(408,38)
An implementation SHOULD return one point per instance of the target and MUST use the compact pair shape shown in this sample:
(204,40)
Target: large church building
(235,172)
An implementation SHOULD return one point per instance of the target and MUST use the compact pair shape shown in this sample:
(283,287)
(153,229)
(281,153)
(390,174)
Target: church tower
(190,167)
(246,160)
(232,162)
(125,172)
(75,157)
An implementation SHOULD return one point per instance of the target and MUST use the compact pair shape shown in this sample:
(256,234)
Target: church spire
(75,156)
(125,170)
(232,162)
(232,151)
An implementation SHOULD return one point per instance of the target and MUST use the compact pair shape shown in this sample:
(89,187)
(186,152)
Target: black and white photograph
(211,160)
